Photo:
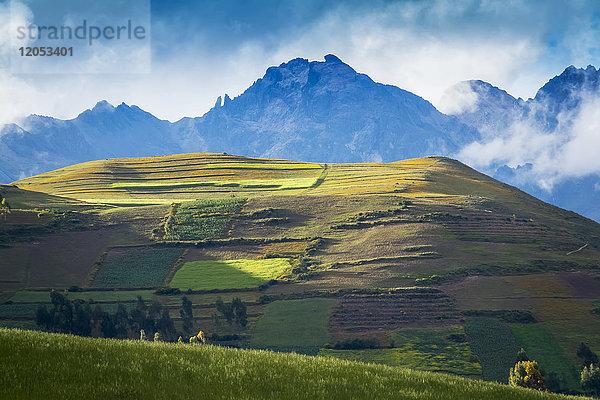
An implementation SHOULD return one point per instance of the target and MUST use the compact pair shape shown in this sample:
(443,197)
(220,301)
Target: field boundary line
(176,266)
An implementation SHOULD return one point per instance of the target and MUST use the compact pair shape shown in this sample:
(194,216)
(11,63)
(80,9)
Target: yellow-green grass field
(228,274)
(51,366)
(294,325)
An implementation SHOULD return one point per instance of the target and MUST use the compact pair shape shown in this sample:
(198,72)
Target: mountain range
(320,111)
(540,138)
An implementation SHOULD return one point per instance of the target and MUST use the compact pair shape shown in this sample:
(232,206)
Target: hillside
(433,265)
(51,366)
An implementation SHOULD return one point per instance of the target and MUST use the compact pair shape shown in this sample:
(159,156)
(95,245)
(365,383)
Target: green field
(30,296)
(142,267)
(292,183)
(420,349)
(17,310)
(294,325)
(494,344)
(228,274)
(540,346)
(201,219)
(50,366)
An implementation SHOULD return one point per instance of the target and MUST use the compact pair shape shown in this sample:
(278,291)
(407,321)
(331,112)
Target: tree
(522,356)
(587,355)
(43,318)
(239,311)
(590,379)
(527,374)
(121,320)
(233,312)
(225,309)
(165,325)
(187,315)
(4,207)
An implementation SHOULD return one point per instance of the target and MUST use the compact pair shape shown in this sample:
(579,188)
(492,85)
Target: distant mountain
(490,107)
(311,111)
(45,143)
(327,112)
(548,119)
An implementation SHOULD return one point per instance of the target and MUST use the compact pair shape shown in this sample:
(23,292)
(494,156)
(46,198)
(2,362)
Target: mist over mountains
(324,111)
(546,145)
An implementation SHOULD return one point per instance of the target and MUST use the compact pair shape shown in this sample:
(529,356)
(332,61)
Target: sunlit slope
(182,176)
(188,176)
(51,366)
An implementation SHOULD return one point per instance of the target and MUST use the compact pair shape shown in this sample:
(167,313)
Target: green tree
(233,312)
(527,374)
(587,355)
(590,379)
(522,356)
(225,309)
(165,325)
(239,312)
(187,315)
(4,207)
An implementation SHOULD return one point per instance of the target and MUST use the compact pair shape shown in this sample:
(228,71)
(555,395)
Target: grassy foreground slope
(52,366)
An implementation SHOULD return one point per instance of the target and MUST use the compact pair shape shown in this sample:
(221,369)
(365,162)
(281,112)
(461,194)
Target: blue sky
(203,49)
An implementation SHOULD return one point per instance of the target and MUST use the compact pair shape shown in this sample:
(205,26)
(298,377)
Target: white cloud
(569,151)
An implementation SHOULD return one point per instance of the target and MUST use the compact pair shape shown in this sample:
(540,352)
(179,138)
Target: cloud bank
(540,155)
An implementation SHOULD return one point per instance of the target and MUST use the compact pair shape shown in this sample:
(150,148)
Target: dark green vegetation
(541,346)
(496,346)
(201,219)
(440,350)
(422,263)
(136,267)
(51,366)
(294,325)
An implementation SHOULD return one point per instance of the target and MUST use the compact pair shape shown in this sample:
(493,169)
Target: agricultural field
(439,350)
(541,347)
(201,219)
(412,253)
(136,267)
(228,274)
(495,345)
(28,296)
(294,325)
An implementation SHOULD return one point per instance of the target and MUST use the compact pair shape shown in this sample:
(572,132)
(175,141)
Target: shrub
(527,374)
(357,344)
(590,379)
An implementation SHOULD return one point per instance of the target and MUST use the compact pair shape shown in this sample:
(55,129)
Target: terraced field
(393,310)
(319,254)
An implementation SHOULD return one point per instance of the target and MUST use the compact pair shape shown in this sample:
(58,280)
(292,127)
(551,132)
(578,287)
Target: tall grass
(37,365)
